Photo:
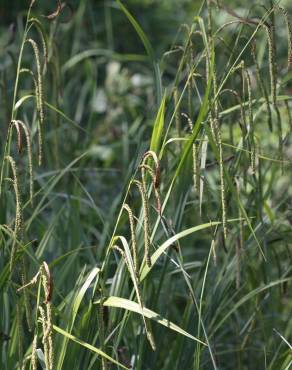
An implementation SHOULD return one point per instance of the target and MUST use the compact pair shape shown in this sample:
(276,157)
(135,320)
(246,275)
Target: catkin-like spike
(272,62)
(240,240)
(146,323)
(46,316)
(143,192)
(18,216)
(45,51)
(19,332)
(37,24)
(262,86)
(18,211)
(217,133)
(213,248)
(133,238)
(146,221)
(196,159)
(289,115)
(50,335)
(211,121)
(56,13)
(34,360)
(47,282)
(251,123)
(153,155)
(45,337)
(156,192)
(19,137)
(25,362)
(177,115)
(122,253)
(39,95)
(273,77)
(222,186)
(289,32)
(16,123)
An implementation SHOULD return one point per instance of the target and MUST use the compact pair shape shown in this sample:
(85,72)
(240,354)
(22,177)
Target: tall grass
(146,222)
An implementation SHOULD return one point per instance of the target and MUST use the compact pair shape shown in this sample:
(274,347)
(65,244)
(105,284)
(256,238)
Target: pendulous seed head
(17,124)
(39,97)
(34,360)
(133,237)
(146,221)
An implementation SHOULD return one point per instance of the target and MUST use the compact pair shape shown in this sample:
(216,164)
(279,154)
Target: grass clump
(155,231)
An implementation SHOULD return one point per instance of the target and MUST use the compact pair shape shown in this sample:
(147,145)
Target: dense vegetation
(145,189)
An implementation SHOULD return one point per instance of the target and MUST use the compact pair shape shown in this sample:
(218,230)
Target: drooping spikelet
(154,173)
(34,353)
(289,32)
(39,27)
(146,222)
(16,124)
(151,154)
(176,107)
(289,115)
(196,158)
(47,320)
(45,336)
(251,123)
(217,134)
(133,237)
(46,314)
(139,297)
(240,240)
(272,62)
(39,97)
(18,211)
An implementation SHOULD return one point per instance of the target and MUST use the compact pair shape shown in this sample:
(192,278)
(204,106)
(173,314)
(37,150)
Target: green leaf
(75,308)
(130,265)
(148,49)
(158,127)
(247,297)
(88,346)
(145,269)
(135,307)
